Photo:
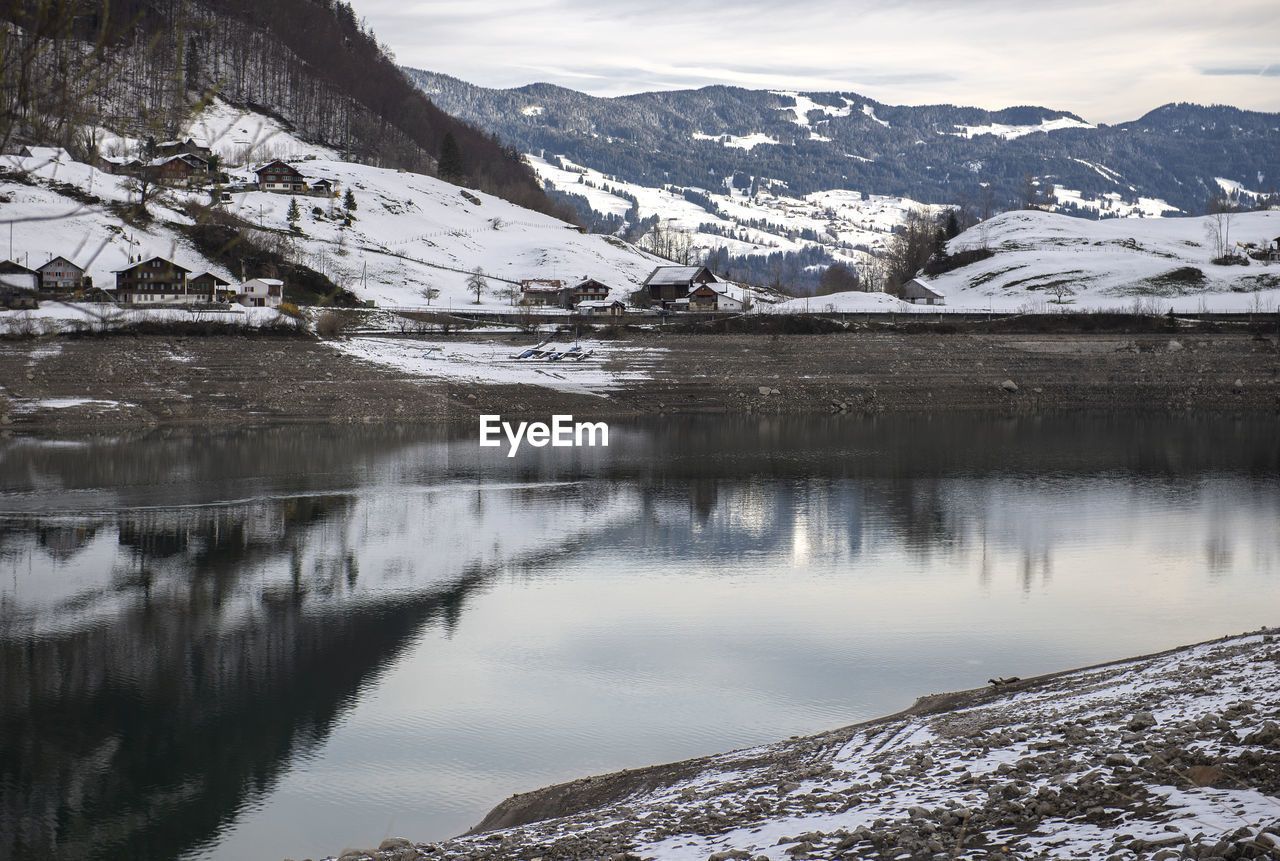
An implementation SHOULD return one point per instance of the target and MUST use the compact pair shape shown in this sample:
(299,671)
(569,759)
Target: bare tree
(914,241)
(477,282)
(1221,207)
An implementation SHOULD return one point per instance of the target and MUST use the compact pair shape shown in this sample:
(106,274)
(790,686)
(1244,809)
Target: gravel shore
(1174,755)
(110,383)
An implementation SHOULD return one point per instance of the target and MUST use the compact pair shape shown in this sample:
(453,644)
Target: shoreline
(66,385)
(1175,754)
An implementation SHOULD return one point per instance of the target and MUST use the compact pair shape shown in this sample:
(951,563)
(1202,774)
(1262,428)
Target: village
(189,165)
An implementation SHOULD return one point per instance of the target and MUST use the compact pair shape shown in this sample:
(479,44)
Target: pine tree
(349,202)
(451,167)
(293,214)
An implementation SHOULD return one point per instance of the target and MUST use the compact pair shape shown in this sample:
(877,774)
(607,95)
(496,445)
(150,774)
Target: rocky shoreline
(1172,755)
(64,384)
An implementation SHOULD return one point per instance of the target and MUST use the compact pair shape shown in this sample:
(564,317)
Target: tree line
(143,66)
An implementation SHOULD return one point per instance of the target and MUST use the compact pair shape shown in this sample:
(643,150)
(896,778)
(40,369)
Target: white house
(600,308)
(261,293)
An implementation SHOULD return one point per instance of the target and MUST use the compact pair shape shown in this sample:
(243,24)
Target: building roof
(598,303)
(185,141)
(678,275)
(173,266)
(8,267)
(55,260)
(541,285)
(185,157)
(216,279)
(55,153)
(271,282)
(283,164)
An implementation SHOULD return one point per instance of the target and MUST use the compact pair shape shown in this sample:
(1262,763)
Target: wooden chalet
(178,169)
(540,292)
(60,275)
(323,188)
(587,290)
(705,298)
(189,146)
(206,284)
(917,291)
(282,177)
(668,283)
(120,166)
(152,280)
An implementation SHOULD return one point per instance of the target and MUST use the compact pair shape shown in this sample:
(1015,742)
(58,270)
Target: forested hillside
(1169,161)
(140,67)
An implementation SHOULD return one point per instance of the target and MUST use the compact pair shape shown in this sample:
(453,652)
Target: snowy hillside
(746,223)
(409,232)
(1041,258)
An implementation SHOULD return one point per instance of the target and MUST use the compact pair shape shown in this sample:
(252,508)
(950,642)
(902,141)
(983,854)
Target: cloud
(1271,71)
(1106,60)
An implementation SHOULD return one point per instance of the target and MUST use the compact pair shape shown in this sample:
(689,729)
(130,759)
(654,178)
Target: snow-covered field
(608,365)
(1116,264)
(409,232)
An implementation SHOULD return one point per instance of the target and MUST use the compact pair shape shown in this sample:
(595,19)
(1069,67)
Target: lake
(285,642)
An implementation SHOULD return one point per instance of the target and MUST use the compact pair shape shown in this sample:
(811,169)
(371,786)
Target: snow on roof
(918,288)
(598,303)
(675,274)
(169,263)
(53,153)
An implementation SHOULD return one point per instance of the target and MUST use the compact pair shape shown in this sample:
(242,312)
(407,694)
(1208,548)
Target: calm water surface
(286,642)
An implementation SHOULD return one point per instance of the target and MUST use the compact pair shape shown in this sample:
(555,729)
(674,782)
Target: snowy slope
(770,221)
(410,231)
(1116,264)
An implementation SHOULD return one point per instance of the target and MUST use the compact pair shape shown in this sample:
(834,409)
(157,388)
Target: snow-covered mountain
(1174,156)
(824,177)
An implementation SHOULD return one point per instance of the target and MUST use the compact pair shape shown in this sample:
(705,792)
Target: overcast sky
(1106,60)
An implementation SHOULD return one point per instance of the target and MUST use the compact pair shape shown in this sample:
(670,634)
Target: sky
(1105,60)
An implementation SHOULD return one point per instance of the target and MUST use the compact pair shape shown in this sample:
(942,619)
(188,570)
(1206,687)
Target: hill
(1169,160)
(75,69)
(1046,261)
(408,231)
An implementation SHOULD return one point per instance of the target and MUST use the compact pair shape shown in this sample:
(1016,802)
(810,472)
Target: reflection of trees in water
(140,738)
(141,735)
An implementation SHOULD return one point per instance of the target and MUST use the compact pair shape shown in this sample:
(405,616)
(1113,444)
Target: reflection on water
(282,642)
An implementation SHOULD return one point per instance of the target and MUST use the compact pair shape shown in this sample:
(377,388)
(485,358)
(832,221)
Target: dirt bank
(104,383)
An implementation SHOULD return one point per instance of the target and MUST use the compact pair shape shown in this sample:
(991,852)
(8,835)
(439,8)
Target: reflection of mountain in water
(162,666)
(177,626)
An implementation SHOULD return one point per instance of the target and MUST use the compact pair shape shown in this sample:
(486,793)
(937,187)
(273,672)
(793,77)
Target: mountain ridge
(815,141)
